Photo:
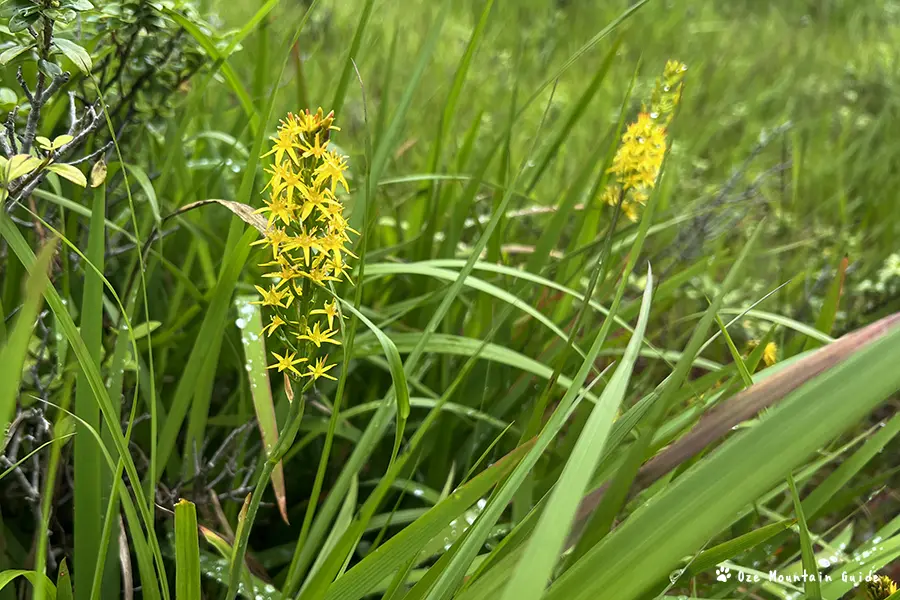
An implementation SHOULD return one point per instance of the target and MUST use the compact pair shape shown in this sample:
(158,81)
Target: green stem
(285,440)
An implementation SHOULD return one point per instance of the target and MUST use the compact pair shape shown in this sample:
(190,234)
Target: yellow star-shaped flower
(274,297)
(316,149)
(287,362)
(275,321)
(333,169)
(284,142)
(320,369)
(330,310)
(319,337)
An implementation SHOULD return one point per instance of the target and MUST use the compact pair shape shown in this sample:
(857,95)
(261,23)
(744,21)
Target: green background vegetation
(474,134)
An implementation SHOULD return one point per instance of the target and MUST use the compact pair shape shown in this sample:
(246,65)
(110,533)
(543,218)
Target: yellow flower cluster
(639,158)
(307,233)
(880,588)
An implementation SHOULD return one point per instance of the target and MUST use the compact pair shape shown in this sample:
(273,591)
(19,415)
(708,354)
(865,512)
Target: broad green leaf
(70,172)
(19,165)
(12,52)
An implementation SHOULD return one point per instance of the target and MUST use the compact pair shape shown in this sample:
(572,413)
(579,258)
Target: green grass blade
(435,198)
(340,91)
(372,570)
(230,76)
(578,110)
(735,354)
(385,146)
(601,521)
(708,497)
(813,590)
(33,452)
(472,282)
(726,550)
(398,376)
(89,486)
(840,477)
(830,304)
(187,552)
(7,577)
(543,548)
(254,343)
(14,352)
(63,582)
(22,251)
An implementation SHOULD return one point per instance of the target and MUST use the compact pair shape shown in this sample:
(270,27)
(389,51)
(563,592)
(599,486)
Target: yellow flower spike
(278,172)
(611,195)
(275,321)
(295,125)
(287,362)
(629,209)
(320,273)
(333,169)
(638,160)
(320,369)
(330,310)
(274,297)
(319,337)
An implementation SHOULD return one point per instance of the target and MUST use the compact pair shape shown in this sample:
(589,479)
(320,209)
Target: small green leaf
(19,165)
(49,68)
(23,19)
(80,5)
(145,328)
(8,98)
(11,53)
(63,582)
(70,172)
(75,53)
(44,142)
(61,140)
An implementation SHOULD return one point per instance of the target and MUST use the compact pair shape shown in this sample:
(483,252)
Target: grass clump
(555,316)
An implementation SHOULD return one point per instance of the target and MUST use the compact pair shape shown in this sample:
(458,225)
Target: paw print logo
(723,574)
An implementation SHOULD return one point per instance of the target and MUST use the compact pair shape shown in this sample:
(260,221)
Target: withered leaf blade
(719,422)
(244,212)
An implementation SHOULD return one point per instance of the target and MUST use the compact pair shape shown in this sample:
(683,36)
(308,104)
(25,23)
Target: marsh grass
(536,396)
